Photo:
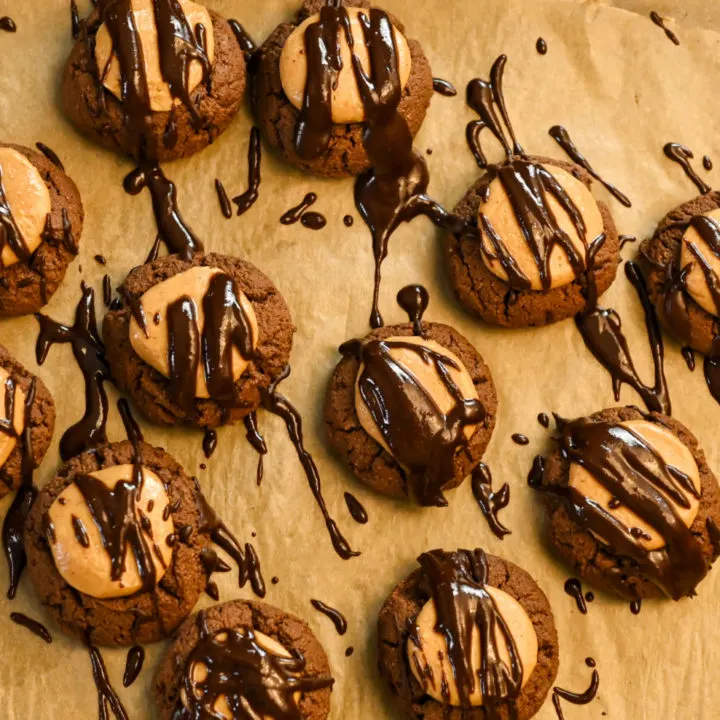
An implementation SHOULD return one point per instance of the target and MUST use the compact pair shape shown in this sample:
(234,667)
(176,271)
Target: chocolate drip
(295,213)
(35,627)
(107,697)
(444,87)
(635,607)
(660,22)
(355,508)
(50,155)
(89,353)
(172,229)
(490,502)
(682,156)
(246,43)
(573,588)
(337,618)
(254,682)
(223,199)
(74,19)
(583,698)
(601,329)
(349,221)
(520,439)
(563,139)
(349,651)
(689,357)
(625,239)
(14,523)
(313,220)
(543,419)
(257,441)
(247,199)
(209,443)
(100,260)
(709,231)
(7,24)
(279,405)
(133,665)
(80,532)
(535,476)
(707,163)
(414,300)
(632,471)
(457,584)
(541,46)
(420,436)
(10,234)
(107,291)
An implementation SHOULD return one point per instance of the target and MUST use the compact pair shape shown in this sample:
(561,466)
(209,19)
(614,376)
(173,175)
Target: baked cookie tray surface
(623,91)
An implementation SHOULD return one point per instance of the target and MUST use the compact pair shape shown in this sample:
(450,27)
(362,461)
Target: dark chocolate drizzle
(223,199)
(625,239)
(133,665)
(583,698)
(682,156)
(636,606)
(252,433)
(107,291)
(7,24)
(246,200)
(356,509)
(348,221)
(660,22)
(444,87)
(543,419)
(573,588)
(246,43)
(562,137)
(291,216)
(50,155)
(707,163)
(689,357)
(313,220)
(89,353)
(414,300)
(35,627)
(209,443)
(541,46)
(337,618)
(490,502)
(255,683)
(74,20)
(10,234)
(520,439)
(457,583)
(107,697)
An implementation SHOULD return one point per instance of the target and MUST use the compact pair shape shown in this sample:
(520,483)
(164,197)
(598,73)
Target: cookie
(15,385)
(457,590)
(157,350)
(41,221)
(634,508)
(427,446)
(535,296)
(681,267)
(242,651)
(149,578)
(332,145)
(174,107)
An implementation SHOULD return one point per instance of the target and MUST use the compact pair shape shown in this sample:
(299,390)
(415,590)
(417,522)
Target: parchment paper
(623,90)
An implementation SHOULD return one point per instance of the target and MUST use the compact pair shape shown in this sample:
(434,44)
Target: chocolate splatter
(35,627)
(444,87)
(337,618)
(133,665)
(573,588)
(490,502)
(682,156)
(355,508)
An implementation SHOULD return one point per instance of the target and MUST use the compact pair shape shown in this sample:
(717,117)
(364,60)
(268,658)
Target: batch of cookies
(121,543)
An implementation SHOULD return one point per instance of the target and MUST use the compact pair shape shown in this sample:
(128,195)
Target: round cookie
(151,391)
(372,463)
(173,133)
(679,313)
(56,212)
(274,632)
(277,117)
(403,630)
(109,616)
(42,421)
(492,298)
(596,562)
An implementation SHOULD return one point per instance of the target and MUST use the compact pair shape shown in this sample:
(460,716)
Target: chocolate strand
(107,697)
(682,156)
(583,698)
(35,627)
(335,616)
(490,502)
(247,199)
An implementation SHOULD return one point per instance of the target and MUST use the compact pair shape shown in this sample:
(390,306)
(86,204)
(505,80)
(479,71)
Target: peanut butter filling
(28,198)
(160,97)
(675,453)
(77,544)
(696,282)
(499,212)
(428,651)
(347,106)
(7,391)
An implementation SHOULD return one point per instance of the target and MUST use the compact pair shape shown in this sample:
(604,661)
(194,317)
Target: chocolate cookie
(422,448)
(40,226)
(338,150)
(634,507)
(249,656)
(115,559)
(19,401)
(157,367)
(513,301)
(170,110)
(450,592)
(679,267)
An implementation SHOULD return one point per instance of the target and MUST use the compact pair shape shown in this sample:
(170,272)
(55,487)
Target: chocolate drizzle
(89,353)
(209,443)
(689,357)
(660,22)
(583,698)
(355,508)
(35,627)
(490,502)
(7,24)
(74,19)
(573,588)
(541,47)
(707,163)
(246,43)
(50,155)
(414,300)
(422,438)
(257,441)
(247,199)
(337,618)
(254,682)
(444,87)
(682,156)
(294,214)
(107,697)
(632,471)
(458,586)
(313,220)
(223,199)
(10,234)
(133,665)
(562,137)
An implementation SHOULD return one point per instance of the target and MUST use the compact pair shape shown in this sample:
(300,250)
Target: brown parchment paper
(623,90)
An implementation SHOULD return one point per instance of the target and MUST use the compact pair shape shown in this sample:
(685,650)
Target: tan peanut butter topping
(695,281)
(199,673)
(427,376)
(347,106)
(28,199)
(8,442)
(153,347)
(674,452)
(428,651)
(499,212)
(87,565)
(161,99)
